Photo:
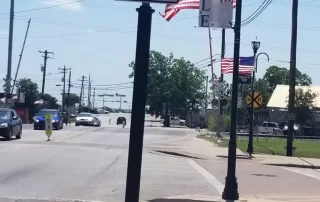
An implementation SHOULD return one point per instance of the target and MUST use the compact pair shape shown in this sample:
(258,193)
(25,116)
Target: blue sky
(98,37)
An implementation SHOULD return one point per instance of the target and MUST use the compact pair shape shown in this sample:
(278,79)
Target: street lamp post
(255,46)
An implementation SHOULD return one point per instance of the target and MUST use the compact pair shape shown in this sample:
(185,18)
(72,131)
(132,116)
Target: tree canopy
(176,81)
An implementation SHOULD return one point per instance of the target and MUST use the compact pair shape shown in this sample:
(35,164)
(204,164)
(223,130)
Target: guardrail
(276,136)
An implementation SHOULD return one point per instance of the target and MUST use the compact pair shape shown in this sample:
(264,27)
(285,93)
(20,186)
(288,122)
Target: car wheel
(19,135)
(181,124)
(77,124)
(9,136)
(35,128)
(58,126)
(61,127)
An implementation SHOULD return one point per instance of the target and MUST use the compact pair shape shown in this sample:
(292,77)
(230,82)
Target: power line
(47,7)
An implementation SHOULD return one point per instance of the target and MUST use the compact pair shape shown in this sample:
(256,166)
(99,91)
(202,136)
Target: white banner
(215,13)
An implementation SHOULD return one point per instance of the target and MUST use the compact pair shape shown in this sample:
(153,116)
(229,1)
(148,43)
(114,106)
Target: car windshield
(44,112)
(4,114)
(85,115)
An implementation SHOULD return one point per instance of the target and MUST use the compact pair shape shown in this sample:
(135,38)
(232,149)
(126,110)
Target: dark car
(57,119)
(120,120)
(10,124)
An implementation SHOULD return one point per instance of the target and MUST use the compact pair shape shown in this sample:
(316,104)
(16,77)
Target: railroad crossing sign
(257,100)
(48,125)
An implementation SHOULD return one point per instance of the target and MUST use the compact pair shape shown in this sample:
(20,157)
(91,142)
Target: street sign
(48,125)
(214,102)
(244,79)
(257,100)
(154,1)
(239,103)
(215,13)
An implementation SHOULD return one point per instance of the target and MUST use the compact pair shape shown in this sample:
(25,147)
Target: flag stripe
(172,9)
(246,65)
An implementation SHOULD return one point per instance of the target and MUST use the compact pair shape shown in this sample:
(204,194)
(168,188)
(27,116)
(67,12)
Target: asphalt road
(89,163)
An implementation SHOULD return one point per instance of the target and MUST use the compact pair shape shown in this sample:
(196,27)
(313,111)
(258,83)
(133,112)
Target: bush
(227,122)
(212,124)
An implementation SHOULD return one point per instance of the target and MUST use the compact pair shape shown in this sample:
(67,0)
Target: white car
(270,127)
(87,119)
(175,121)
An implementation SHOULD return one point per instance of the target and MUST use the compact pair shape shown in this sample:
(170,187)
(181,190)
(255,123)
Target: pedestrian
(123,124)
(109,121)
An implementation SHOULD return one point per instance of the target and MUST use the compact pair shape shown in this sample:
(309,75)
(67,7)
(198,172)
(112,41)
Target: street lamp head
(255,45)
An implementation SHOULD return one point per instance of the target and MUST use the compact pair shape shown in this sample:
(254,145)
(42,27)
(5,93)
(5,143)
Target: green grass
(304,148)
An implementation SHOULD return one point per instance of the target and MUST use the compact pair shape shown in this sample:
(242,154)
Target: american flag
(172,9)
(246,65)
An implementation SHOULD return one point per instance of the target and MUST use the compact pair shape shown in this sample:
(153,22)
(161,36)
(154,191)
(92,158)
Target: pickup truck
(175,121)
(269,127)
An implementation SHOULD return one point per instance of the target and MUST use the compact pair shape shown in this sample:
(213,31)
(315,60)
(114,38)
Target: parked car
(269,127)
(120,120)
(87,119)
(10,124)
(57,119)
(174,121)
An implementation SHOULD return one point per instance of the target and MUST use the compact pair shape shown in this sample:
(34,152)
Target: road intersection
(89,163)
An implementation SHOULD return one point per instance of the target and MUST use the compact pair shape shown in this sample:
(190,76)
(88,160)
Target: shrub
(212,124)
(227,122)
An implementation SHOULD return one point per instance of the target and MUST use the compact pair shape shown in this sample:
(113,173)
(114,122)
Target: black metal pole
(250,142)
(207,81)
(292,80)
(230,191)
(139,102)
(20,56)
(68,99)
(44,72)
(8,76)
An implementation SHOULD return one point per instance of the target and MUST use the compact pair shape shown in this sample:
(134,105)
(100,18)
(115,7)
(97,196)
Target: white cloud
(73,5)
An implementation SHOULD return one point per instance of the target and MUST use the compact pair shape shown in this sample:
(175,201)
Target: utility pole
(68,102)
(220,109)
(211,61)
(20,57)
(292,79)
(45,56)
(8,77)
(207,78)
(64,71)
(230,191)
(81,92)
(94,97)
(89,92)
(139,103)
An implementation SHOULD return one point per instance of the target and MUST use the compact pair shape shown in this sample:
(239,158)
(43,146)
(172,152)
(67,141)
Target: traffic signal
(9,95)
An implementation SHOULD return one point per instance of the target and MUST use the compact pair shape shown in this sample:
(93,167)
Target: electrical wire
(256,13)
(43,8)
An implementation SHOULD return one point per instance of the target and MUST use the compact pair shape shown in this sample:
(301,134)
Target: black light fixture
(255,46)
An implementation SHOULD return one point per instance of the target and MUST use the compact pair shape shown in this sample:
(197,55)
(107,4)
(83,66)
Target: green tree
(172,80)
(304,102)
(50,102)
(279,75)
(30,89)
(74,99)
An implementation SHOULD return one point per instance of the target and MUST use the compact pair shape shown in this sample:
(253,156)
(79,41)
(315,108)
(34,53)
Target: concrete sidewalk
(200,198)
(199,148)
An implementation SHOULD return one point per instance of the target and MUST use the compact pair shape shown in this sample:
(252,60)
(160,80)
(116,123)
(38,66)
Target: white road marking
(208,176)
(173,139)
(303,172)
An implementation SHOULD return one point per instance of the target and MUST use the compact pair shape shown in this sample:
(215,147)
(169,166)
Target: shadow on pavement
(191,200)
(238,156)
(294,165)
